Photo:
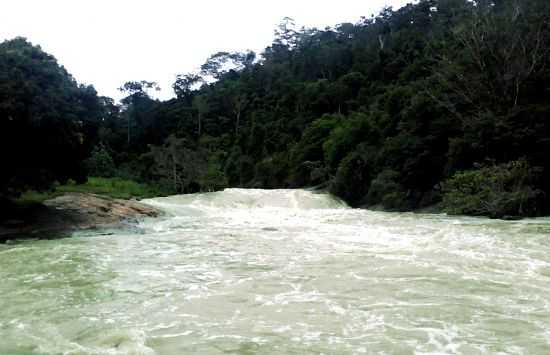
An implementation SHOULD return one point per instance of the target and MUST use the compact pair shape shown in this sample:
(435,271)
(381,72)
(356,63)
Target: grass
(112,187)
(32,197)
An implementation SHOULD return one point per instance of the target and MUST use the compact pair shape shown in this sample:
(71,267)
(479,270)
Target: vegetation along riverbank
(100,203)
(441,102)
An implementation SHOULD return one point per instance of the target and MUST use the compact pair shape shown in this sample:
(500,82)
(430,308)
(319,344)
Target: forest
(440,103)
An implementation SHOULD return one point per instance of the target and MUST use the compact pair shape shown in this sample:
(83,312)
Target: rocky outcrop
(72,212)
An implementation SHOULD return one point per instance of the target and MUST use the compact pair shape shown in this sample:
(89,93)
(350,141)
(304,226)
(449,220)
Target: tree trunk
(200,124)
(128,129)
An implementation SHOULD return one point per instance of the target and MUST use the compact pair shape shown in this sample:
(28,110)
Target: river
(281,272)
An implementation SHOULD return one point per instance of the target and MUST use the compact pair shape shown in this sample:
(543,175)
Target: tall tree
(44,120)
(137,92)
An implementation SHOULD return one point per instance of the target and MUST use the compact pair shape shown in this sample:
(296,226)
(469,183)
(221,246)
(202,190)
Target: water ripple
(272,272)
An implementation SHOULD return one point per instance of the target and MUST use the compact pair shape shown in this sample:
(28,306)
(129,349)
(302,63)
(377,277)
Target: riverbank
(114,187)
(68,213)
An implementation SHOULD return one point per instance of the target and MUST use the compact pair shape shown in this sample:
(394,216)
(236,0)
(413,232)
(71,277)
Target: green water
(281,272)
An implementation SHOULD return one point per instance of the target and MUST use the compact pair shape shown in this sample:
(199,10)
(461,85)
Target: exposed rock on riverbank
(69,213)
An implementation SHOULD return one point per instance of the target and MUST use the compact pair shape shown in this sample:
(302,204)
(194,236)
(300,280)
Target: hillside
(440,102)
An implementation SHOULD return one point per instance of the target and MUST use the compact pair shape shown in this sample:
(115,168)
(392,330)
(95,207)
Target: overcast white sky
(109,42)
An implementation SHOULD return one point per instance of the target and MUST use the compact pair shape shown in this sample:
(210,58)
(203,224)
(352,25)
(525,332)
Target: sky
(109,42)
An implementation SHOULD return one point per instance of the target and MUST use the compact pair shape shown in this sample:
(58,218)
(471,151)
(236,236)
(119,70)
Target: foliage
(385,190)
(353,171)
(381,111)
(345,137)
(307,157)
(46,120)
(112,187)
(100,163)
(180,169)
(494,190)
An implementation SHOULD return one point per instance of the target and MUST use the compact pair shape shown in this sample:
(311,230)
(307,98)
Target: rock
(72,212)
(95,210)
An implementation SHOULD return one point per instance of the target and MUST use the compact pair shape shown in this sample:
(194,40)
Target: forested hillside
(46,120)
(440,102)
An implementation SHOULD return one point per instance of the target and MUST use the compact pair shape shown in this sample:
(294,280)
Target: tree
(220,64)
(184,85)
(495,191)
(137,92)
(381,112)
(501,48)
(177,166)
(44,116)
(200,104)
(100,163)
(239,103)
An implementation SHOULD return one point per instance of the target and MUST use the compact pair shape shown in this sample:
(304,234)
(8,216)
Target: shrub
(214,178)
(345,137)
(386,190)
(271,172)
(100,163)
(352,179)
(496,191)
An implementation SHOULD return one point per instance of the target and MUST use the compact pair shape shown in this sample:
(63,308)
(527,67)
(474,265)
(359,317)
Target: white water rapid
(281,272)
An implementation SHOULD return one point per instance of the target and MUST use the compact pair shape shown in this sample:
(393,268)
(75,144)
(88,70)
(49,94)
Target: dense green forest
(441,102)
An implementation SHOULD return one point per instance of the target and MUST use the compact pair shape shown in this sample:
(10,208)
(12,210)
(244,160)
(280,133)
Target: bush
(496,191)
(113,187)
(100,163)
(214,178)
(386,190)
(352,179)
(345,137)
(272,172)
(307,156)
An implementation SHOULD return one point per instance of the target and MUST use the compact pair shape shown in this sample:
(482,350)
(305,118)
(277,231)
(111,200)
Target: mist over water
(281,272)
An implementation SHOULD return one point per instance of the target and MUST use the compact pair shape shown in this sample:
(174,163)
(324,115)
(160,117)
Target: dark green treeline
(440,102)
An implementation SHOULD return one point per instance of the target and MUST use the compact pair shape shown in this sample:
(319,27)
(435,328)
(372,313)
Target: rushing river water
(281,272)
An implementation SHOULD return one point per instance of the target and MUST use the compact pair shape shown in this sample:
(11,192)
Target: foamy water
(281,272)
